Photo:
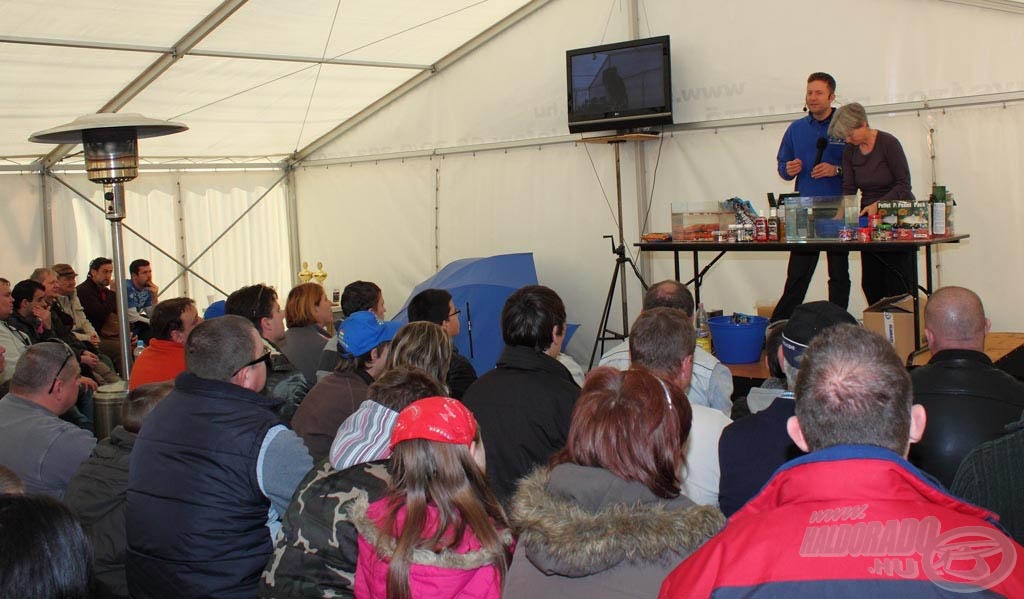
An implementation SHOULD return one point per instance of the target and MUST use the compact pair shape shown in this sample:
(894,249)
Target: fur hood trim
(385,544)
(560,537)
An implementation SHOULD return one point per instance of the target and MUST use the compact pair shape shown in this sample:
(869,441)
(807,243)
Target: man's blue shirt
(801,141)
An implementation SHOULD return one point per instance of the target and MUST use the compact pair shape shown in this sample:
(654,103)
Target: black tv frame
(660,114)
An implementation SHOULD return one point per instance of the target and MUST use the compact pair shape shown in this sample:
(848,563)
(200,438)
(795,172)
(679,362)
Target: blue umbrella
(479,287)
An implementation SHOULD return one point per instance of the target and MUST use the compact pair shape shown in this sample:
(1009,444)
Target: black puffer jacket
(523,407)
(97,494)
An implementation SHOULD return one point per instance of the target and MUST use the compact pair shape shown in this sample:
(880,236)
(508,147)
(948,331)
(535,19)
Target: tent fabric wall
(256,250)
(372,222)
(510,92)
(21,228)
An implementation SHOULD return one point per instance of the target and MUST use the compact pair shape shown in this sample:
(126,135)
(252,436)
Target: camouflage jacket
(315,553)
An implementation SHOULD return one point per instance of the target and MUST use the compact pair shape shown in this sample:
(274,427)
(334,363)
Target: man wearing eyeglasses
(35,443)
(436,306)
(213,465)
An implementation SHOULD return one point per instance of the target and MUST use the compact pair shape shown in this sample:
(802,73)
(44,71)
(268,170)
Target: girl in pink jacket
(439,531)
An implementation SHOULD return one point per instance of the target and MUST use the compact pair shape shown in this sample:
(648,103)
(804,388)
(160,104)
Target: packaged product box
(913,216)
(893,318)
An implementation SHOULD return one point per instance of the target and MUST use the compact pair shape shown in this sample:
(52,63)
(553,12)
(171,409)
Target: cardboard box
(765,309)
(893,318)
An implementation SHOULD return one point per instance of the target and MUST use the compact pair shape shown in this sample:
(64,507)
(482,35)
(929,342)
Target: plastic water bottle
(703,330)
(138,349)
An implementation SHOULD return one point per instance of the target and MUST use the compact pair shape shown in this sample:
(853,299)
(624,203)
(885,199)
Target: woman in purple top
(874,163)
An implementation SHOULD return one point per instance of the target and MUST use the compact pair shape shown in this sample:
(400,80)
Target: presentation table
(910,246)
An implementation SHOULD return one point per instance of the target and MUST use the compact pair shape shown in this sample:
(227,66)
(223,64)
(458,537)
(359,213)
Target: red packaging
(760,229)
(874,220)
(864,234)
(904,234)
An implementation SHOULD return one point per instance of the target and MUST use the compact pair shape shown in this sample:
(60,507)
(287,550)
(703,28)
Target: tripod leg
(603,327)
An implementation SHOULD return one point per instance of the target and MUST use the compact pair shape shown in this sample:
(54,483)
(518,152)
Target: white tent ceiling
(259,78)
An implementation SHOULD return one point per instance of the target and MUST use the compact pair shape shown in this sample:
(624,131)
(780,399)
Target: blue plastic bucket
(738,343)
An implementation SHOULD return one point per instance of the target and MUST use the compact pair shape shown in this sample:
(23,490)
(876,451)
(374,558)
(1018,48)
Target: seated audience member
(458,543)
(752,448)
(31,315)
(854,416)
(315,554)
(10,482)
(525,404)
(141,296)
(35,443)
(759,398)
(363,436)
(13,341)
(358,296)
(663,342)
(711,382)
(44,552)
(4,385)
(258,304)
(608,518)
(59,325)
(436,306)
(164,358)
(309,317)
(990,477)
(969,401)
(97,490)
(67,297)
(363,341)
(30,324)
(211,472)
(99,303)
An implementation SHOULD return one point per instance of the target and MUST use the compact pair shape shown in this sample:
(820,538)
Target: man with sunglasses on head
(40,447)
(436,306)
(213,465)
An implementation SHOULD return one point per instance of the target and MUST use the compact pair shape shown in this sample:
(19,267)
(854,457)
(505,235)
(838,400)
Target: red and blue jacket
(853,521)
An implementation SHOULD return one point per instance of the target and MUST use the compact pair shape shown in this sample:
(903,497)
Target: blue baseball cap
(362,331)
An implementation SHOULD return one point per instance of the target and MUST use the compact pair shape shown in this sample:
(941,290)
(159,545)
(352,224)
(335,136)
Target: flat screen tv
(620,86)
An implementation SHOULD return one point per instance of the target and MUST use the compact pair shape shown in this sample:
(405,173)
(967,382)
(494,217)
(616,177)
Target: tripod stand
(619,270)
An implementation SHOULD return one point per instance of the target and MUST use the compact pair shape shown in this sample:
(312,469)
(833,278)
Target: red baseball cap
(441,419)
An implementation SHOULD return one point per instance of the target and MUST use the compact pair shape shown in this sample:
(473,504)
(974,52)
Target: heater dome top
(71,133)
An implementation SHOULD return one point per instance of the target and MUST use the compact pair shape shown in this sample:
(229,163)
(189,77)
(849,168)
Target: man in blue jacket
(808,155)
(212,472)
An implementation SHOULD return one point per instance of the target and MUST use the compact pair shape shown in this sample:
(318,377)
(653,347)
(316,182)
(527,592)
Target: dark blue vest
(196,518)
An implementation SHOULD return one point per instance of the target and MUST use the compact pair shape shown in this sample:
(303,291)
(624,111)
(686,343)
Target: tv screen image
(619,85)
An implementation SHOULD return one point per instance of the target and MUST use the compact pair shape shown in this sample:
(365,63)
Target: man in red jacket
(853,518)
(172,321)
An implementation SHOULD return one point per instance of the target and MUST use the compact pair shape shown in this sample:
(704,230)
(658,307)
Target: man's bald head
(954,318)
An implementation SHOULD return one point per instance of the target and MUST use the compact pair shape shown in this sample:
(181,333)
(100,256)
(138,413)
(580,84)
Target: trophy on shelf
(305,275)
(319,275)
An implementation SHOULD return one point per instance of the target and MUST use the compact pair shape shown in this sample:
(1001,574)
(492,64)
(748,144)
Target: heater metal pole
(114,196)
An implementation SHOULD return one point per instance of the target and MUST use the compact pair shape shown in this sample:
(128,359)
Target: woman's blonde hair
(424,345)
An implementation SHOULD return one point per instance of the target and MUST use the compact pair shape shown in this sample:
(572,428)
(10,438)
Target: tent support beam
(44,189)
(292,207)
(442,64)
(88,45)
(156,69)
(137,234)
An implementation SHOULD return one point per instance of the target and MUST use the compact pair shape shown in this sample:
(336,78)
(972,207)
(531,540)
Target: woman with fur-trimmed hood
(607,519)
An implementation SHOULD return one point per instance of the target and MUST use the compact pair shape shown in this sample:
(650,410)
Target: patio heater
(111,143)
